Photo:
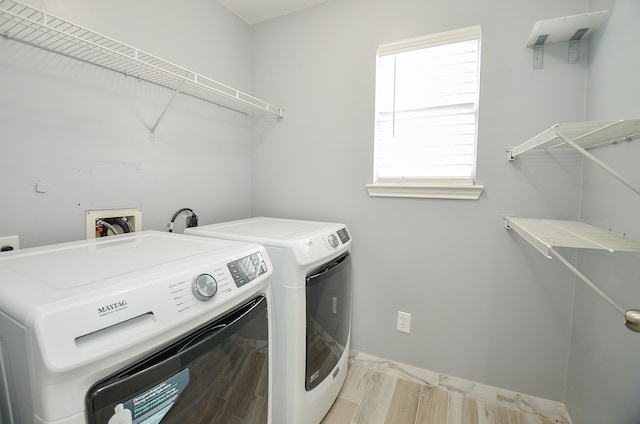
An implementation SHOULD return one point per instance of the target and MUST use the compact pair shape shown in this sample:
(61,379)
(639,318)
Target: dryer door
(328,295)
(216,374)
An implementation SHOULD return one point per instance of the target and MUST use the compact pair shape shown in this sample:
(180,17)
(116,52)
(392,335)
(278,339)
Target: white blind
(427,107)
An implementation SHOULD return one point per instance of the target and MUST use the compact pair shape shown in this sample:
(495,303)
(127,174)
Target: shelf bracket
(538,51)
(631,316)
(586,280)
(598,162)
(538,56)
(173,97)
(573,56)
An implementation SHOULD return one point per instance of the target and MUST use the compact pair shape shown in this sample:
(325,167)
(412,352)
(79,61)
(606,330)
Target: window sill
(425,191)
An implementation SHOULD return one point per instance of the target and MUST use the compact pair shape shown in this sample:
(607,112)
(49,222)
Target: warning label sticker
(151,406)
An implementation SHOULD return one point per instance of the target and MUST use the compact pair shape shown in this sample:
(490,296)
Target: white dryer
(143,327)
(312,306)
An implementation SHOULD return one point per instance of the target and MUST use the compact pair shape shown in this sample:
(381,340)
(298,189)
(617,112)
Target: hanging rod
(544,234)
(38,28)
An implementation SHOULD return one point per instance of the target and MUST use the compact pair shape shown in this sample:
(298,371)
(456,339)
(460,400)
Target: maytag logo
(114,307)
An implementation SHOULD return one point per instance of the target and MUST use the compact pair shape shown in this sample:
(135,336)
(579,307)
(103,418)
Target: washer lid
(264,230)
(308,242)
(67,273)
(71,265)
(270,228)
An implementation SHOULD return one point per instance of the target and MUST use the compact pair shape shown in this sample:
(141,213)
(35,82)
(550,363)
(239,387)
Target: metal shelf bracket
(155,126)
(598,162)
(631,316)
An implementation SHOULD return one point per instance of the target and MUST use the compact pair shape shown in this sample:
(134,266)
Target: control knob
(204,287)
(333,240)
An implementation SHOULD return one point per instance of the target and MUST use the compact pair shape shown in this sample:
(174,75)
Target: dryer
(140,327)
(312,307)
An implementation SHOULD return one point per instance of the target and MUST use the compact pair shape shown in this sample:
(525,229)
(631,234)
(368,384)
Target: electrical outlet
(131,215)
(404,322)
(9,243)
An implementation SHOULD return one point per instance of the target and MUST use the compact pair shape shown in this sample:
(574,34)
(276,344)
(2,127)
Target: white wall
(603,382)
(84,131)
(485,305)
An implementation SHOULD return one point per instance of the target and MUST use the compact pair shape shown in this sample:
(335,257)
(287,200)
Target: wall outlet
(132,215)
(9,243)
(404,322)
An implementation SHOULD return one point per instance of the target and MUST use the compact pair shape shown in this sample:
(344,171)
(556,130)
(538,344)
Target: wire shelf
(544,234)
(582,136)
(40,29)
(586,134)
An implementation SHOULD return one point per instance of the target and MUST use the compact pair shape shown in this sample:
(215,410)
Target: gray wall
(603,382)
(485,305)
(84,131)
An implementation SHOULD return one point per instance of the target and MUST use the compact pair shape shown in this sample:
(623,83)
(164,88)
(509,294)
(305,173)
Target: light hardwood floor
(370,397)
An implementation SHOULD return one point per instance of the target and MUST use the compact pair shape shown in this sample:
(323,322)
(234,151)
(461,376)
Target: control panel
(247,269)
(342,234)
(316,247)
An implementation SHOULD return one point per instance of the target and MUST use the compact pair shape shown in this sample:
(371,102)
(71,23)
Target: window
(427,116)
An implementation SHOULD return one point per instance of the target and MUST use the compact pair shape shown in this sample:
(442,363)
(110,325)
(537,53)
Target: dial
(333,240)
(204,287)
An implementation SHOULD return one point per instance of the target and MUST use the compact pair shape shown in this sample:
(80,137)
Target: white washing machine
(312,306)
(138,328)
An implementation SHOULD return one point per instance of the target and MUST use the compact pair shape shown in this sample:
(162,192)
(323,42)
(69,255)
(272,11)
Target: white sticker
(151,406)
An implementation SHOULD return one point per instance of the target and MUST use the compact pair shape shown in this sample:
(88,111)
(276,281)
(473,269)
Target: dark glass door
(216,374)
(328,295)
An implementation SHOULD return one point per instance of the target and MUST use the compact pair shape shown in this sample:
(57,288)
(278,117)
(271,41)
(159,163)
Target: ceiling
(254,11)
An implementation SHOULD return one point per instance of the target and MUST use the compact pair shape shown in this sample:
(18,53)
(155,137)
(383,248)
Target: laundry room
(201,112)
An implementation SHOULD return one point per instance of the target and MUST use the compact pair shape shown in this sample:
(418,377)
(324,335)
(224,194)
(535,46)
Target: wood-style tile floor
(369,397)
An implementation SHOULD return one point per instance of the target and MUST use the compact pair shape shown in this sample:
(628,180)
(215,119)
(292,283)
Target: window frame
(433,188)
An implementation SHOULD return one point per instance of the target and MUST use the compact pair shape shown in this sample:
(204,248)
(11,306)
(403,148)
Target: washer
(312,304)
(140,327)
